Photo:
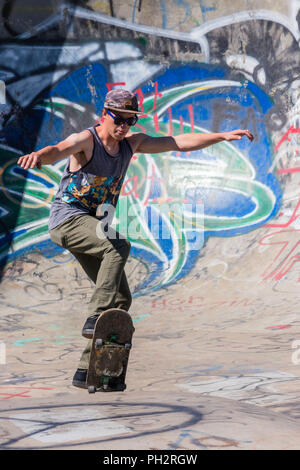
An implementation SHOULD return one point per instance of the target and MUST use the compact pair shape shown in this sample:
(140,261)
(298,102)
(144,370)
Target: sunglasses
(119,120)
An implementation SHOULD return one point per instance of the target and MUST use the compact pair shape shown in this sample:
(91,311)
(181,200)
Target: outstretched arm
(144,143)
(73,144)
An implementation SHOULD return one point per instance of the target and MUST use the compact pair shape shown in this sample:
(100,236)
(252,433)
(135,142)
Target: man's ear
(103,114)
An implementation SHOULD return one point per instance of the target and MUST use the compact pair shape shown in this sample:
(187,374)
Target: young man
(98,160)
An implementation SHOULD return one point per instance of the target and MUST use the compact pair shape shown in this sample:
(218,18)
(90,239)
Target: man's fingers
(29,161)
(23,161)
(249,135)
(233,137)
(237,135)
(33,162)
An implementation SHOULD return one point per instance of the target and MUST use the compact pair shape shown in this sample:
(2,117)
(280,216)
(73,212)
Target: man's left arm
(143,143)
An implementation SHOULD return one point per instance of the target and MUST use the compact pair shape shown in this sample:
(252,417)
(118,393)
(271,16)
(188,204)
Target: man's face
(117,131)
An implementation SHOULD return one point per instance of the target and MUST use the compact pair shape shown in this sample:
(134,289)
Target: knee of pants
(122,246)
(58,238)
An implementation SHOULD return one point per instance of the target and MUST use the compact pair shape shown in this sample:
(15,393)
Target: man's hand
(237,135)
(73,145)
(31,160)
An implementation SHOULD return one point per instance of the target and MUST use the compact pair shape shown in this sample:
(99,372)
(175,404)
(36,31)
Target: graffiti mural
(216,78)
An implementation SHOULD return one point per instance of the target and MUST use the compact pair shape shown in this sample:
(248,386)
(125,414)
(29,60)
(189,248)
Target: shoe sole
(87,333)
(79,384)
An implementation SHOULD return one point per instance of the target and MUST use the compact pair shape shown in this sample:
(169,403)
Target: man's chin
(120,136)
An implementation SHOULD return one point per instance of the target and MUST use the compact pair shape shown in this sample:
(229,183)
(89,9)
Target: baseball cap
(121,100)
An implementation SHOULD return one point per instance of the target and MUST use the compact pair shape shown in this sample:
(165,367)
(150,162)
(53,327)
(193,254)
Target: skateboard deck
(110,351)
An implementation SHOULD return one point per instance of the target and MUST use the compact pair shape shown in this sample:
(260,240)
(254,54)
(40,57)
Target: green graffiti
(30,194)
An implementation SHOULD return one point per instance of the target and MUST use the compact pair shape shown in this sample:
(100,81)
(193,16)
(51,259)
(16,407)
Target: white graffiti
(254,388)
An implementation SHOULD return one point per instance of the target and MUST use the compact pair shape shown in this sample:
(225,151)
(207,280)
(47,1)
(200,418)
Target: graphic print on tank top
(90,191)
(96,185)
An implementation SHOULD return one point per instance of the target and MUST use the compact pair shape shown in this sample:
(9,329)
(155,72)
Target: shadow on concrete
(190,417)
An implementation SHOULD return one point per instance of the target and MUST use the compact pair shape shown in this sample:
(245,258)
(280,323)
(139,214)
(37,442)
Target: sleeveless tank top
(98,182)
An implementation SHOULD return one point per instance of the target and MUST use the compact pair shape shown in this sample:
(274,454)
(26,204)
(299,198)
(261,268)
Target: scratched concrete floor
(215,362)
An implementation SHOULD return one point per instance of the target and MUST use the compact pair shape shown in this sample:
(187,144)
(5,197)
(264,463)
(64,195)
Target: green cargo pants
(102,258)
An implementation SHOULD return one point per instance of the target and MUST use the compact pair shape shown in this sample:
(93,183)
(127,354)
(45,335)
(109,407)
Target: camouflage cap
(121,100)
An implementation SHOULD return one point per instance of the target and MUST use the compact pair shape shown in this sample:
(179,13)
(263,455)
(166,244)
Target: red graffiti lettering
(284,171)
(291,130)
(157,94)
(198,301)
(174,302)
(278,327)
(193,300)
(170,122)
(109,86)
(159,303)
(140,98)
(141,101)
(191,113)
(181,124)
(156,123)
(143,129)
(133,190)
(285,257)
(23,394)
(293,217)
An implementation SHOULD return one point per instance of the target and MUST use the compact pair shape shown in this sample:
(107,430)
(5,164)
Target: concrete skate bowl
(214,236)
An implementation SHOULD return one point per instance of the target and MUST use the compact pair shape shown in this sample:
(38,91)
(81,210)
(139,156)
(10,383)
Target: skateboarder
(98,160)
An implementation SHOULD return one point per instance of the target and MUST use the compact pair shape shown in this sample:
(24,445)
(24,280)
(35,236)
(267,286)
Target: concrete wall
(216,355)
(196,66)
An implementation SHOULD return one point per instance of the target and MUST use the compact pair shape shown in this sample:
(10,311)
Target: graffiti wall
(198,66)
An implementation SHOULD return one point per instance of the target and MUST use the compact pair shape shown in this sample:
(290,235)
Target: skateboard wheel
(92,389)
(127,345)
(98,343)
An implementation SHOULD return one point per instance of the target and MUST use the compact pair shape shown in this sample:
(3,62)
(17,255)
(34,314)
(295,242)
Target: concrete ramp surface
(212,366)
(214,264)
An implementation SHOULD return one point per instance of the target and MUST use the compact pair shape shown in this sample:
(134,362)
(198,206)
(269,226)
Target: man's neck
(112,146)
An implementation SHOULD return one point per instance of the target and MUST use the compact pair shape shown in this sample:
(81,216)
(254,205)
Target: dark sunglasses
(119,120)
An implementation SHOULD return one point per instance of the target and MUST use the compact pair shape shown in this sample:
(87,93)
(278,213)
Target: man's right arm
(72,145)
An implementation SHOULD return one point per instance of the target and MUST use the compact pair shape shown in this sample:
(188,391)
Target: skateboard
(110,351)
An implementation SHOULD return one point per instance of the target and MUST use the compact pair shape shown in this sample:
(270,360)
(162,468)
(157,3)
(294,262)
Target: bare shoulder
(83,149)
(144,143)
(135,139)
(83,141)
(83,136)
